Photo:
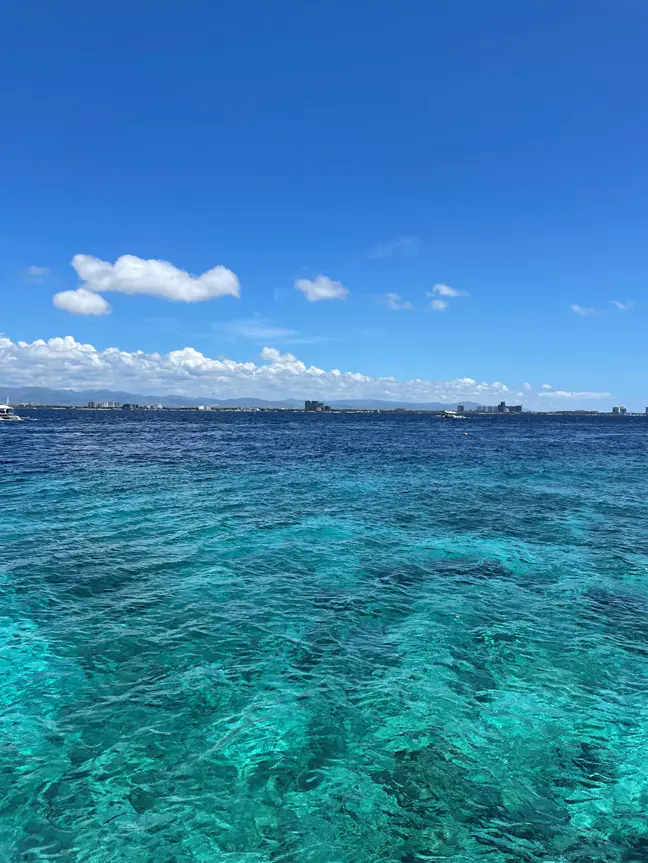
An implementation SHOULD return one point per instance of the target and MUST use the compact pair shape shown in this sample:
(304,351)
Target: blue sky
(495,148)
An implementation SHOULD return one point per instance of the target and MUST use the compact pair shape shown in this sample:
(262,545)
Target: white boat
(7,414)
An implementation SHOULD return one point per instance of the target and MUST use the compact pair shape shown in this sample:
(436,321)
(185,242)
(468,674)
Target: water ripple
(323,639)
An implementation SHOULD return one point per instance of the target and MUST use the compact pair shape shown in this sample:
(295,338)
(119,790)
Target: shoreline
(290,410)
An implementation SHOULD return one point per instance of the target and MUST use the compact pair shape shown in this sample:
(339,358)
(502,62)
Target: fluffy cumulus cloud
(132,275)
(81,302)
(396,303)
(321,288)
(64,362)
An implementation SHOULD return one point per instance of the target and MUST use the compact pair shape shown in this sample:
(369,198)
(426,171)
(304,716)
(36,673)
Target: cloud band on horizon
(64,362)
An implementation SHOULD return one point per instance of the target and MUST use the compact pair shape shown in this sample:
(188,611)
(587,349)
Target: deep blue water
(323,639)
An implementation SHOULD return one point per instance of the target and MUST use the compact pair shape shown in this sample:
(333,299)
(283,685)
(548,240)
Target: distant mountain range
(76,398)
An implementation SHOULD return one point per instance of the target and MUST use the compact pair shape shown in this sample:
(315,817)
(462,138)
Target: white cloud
(396,302)
(255,329)
(527,386)
(546,387)
(583,310)
(81,302)
(64,362)
(37,274)
(438,305)
(563,394)
(623,307)
(261,330)
(321,288)
(402,246)
(132,275)
(287,361)
(447,291)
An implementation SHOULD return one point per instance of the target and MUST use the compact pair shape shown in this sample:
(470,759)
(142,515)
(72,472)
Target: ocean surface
(259,637)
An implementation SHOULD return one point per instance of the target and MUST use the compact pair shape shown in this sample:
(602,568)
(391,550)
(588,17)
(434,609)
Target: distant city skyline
(413,201)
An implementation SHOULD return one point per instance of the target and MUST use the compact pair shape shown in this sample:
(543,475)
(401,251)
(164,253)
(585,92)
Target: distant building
(316,406)
(616,409)
(622,410)
(501,408)
(93,405)
(460,409)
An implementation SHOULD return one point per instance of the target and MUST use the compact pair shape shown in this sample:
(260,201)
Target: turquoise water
(323,639)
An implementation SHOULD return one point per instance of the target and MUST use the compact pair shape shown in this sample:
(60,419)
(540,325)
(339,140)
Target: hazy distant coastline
(80,398)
